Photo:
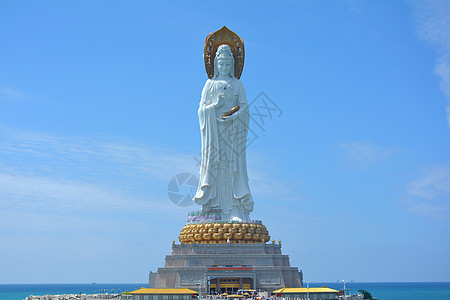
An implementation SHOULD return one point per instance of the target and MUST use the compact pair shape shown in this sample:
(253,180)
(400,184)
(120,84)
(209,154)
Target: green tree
(366,294)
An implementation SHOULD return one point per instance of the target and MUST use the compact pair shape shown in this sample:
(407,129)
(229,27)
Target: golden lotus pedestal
(225,257)
(224,232)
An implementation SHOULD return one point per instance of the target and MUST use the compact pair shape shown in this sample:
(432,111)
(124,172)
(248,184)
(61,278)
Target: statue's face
(225,66)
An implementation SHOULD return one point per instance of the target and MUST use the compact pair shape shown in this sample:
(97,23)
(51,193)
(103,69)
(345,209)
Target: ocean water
(380,290)
(21,291)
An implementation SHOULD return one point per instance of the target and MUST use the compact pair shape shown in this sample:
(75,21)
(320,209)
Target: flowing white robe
(223,180)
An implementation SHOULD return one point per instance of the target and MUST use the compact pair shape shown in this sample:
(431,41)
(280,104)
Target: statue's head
(224,62)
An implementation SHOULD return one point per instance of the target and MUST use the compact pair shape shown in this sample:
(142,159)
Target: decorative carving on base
(224,232)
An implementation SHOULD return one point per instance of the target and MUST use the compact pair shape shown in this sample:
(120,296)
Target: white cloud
(90,156)
(26,221)
(433,26)
(9,93)
(44,175)
(364,152)
(435,182)
(431,192)
(40,193)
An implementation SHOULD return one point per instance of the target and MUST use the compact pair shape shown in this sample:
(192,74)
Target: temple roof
(163,291)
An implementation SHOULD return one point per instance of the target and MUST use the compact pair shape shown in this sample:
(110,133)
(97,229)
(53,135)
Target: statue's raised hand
(213,105)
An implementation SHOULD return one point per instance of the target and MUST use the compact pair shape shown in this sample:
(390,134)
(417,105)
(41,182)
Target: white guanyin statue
(224,120)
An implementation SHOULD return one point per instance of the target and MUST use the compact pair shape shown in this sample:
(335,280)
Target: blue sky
(98,111)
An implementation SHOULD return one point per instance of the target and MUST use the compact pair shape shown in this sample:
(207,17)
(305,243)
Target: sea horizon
(147,283)
(381,290)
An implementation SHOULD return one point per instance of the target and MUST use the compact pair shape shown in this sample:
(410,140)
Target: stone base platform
(226,267)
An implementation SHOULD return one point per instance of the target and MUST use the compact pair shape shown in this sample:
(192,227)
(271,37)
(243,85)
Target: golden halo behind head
(224,36)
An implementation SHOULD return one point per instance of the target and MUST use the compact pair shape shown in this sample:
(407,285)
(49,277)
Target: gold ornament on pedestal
(220,233)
